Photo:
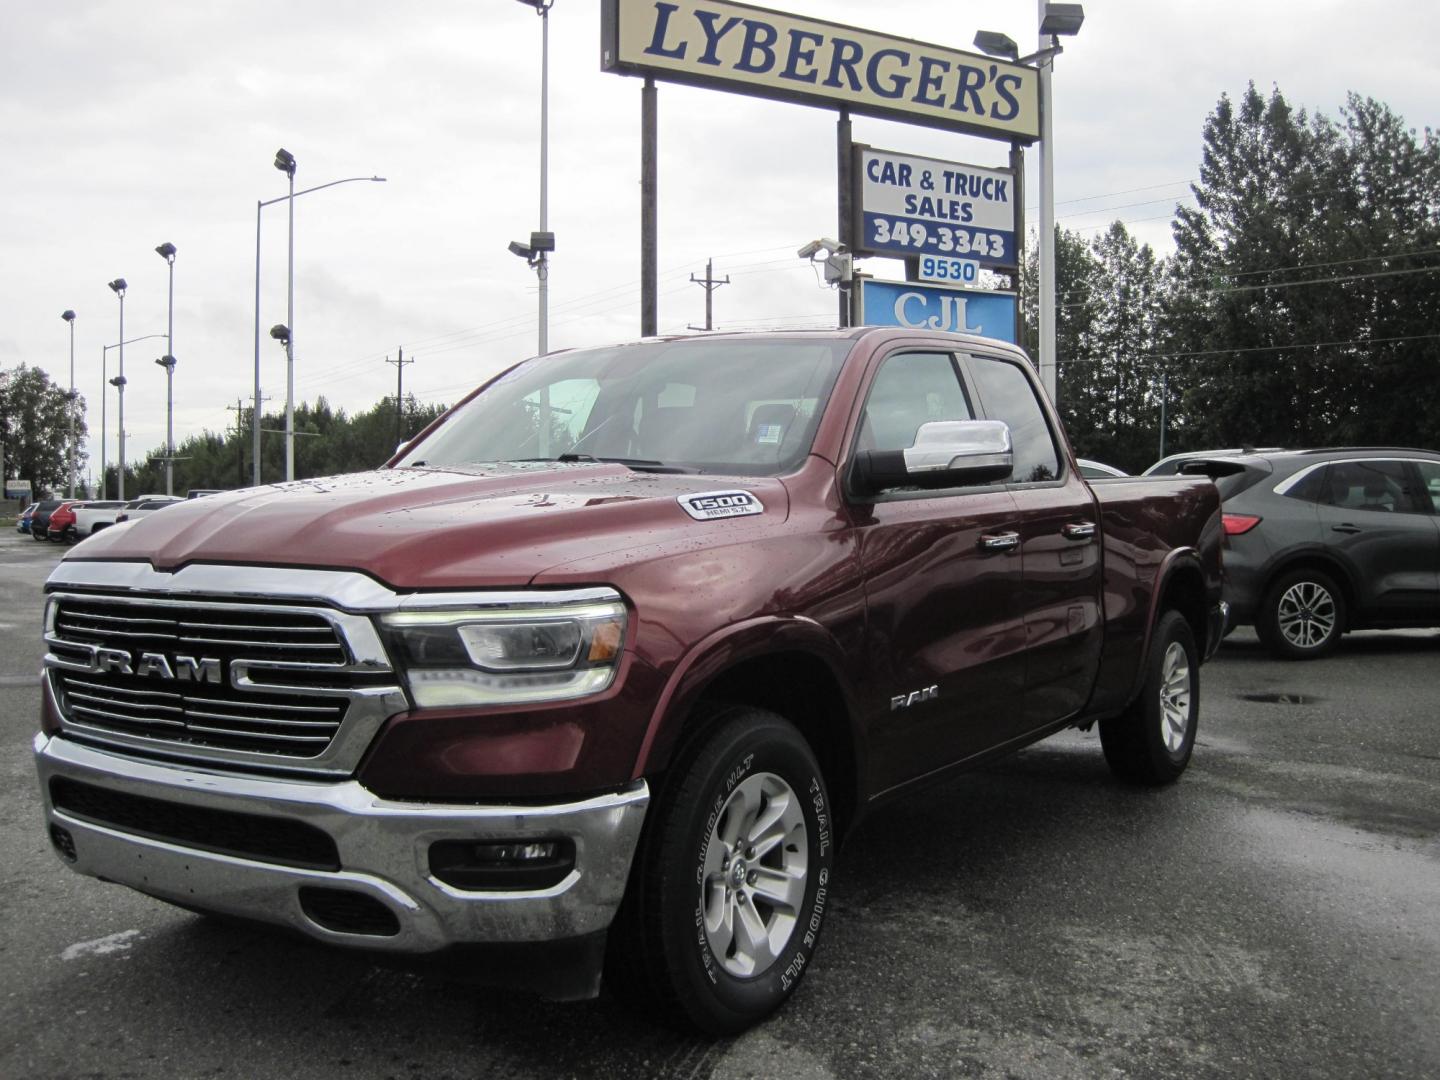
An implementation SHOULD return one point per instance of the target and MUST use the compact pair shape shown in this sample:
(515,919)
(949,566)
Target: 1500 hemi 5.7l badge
(708,505)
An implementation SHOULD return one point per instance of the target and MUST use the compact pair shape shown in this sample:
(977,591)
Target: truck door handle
(999,541)
(1078,530)
(1346,528)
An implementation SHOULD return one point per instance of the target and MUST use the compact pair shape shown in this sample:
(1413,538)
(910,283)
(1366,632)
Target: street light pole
(118,286)
(104,382)
(542,271)
(69,317)
(285,162)
(167,252)
(1047,224)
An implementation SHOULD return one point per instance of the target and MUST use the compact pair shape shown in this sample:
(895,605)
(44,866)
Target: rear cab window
(1006,393)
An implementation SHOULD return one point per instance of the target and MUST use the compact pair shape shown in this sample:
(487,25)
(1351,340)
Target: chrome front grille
(217,679)
(268,723)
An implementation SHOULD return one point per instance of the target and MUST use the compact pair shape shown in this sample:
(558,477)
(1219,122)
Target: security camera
(810,250)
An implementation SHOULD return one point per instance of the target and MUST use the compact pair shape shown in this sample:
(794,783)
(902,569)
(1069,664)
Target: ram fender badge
(709,505)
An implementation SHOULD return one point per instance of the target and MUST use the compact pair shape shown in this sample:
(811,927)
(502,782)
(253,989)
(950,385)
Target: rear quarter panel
(1152,528)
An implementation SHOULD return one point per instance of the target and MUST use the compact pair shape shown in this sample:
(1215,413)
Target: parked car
(146,504)
(1097,470)
(91,517)
(61,526)
(40,518)
(1171,466)
(754,586)
(1320,542)
(22,523)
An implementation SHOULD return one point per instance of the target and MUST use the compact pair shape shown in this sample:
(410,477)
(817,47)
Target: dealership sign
(914,205)
(919,306)
(774,54)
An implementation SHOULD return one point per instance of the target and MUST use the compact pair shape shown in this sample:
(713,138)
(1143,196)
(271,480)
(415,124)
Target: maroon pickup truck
(604,665)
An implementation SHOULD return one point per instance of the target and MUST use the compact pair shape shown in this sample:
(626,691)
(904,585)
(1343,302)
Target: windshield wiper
(638,464)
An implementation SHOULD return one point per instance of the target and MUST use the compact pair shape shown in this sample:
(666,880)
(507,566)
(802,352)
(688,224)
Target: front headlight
(510,656)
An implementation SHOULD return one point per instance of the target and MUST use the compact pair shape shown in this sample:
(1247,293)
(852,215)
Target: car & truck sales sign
(914,205)
(750,50)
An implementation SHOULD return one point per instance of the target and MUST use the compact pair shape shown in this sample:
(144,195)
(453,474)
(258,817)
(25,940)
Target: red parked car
(62,523)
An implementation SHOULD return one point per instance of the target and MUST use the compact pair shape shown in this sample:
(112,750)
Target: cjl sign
(918,306)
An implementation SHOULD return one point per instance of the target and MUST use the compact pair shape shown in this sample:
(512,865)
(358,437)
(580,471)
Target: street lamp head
(285,162)
(119,380)
(517,248)
(1062,19)
(542,241)
(281,333)
(118,286)
(167,362)
(166,251)
(540,6)
(68,316)
(993,43)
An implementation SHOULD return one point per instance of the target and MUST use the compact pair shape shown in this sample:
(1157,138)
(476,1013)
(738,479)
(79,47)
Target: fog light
(64,842)
(517,865)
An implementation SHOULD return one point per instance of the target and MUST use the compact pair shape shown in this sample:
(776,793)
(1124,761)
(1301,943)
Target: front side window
(1008,395)
(739,406)
(1375,486)
(910,389)
(1430,480)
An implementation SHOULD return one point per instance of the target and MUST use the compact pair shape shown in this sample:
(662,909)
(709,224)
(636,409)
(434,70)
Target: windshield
(736,406)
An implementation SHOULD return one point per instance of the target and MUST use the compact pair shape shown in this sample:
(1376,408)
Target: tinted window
(1375,486)
(1310,488)
(910,389)
(1007,395)
(1430,479)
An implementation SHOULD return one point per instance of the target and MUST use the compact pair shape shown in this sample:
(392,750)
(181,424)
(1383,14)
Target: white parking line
(111,943)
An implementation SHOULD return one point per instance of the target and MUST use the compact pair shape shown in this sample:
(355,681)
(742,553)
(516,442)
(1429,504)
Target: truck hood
(482,525)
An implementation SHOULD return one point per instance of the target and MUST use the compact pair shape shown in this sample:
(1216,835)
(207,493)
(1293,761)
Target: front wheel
(1151,741)
(732,879)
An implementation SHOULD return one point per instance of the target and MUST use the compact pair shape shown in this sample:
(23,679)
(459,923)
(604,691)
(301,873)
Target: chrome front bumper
(383,853)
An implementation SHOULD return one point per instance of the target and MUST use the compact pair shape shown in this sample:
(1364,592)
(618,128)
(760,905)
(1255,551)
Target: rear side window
(1430,478)
(1373,486)
(1007,395)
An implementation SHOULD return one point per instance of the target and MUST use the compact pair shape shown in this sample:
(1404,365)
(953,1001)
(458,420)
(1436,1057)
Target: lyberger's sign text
(751,50)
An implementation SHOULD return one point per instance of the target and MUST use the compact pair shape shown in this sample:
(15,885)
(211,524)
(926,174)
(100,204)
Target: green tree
(35,429)
(1305,284)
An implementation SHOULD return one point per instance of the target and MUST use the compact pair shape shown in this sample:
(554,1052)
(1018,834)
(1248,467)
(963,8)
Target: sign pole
(1017,167)
(649,223)
(844,163)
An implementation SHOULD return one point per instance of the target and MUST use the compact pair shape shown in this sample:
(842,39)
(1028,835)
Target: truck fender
(723,650)
(1182,558)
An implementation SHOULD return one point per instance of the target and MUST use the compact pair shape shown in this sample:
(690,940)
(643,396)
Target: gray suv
(1319,542)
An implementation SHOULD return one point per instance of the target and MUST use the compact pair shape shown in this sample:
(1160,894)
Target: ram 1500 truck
(604,665)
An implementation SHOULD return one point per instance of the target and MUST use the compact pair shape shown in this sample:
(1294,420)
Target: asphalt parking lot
(1275,914)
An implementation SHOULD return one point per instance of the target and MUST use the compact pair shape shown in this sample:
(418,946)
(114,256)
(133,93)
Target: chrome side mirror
(946,453)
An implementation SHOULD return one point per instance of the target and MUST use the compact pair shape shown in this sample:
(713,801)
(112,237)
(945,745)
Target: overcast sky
(126,125)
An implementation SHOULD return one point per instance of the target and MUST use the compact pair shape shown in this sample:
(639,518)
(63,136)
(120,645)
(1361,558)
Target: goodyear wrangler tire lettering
(735,880)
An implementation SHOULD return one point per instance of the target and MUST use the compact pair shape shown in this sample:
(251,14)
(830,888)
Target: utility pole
(709,283)
(399,394)
(239,408)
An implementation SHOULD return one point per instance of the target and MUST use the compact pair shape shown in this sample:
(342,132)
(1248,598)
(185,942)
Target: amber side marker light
(1238,524)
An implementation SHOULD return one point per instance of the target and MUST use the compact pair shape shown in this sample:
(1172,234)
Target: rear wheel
(1302,616)
(731,881)
(1151,741)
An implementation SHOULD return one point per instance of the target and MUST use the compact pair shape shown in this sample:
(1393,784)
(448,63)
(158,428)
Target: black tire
(1151,741)
(1302,616)
(663,947)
